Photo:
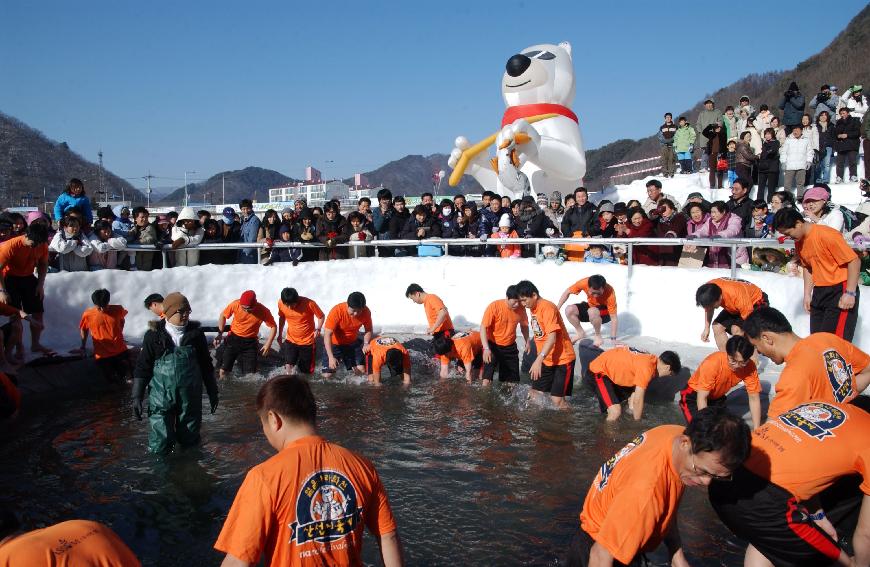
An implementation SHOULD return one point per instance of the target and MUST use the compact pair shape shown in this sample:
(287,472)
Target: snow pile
(657,302)
(847,194)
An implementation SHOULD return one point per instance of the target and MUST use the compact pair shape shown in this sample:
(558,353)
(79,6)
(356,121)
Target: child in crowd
(71,246)
(505,231)
(105,247)
(105,324)
(359,233)
(731,156)
(597,254)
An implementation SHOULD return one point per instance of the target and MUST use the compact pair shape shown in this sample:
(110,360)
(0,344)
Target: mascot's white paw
(461,144)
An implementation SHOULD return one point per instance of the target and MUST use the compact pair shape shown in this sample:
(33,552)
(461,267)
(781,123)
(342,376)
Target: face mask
(446,211)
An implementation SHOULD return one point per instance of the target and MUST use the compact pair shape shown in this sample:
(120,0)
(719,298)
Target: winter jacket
(729,226)
(796,153)
(705,118)
(507,250)
(755,141)
(826,137)
(535,226)
(811,133)
(642,254)
(768,161)
(715,141)
(105,254)
(72,253)
(651,207)
(762,122)
(763,230)
(489,221)
(603,229)
(666,133)
(336,231)
(554,216)
(430,226)
(381,222)
(673,227)
(120,226)
(745,155)
(248,232)
(850,126)
(833,217)
(857,108)
(65,202)
(750,110)
(144,235)
(741,208)
(684,139)
(448,225)
(730,126)
(792,109)
(363,235)
(191,240)
(700,229)
(397,223)
(824,103)
(578,218)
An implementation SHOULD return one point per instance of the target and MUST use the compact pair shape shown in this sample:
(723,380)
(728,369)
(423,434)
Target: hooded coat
(72,253)
(191,238)
(729,226)
(792,106)
(642,254)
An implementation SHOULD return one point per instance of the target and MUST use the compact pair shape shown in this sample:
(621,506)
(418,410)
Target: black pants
(847,156)
(743,171)
(768,183)
(689,403)
(114,368)
(827,317)
(580,547)
(241,349)
(505,361)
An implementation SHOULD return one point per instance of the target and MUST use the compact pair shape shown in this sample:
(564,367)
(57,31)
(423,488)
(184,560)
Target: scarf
(514,113)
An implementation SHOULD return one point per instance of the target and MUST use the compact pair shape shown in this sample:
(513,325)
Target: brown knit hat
(173,303)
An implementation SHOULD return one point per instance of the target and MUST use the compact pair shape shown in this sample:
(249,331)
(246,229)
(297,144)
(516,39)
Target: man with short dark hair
(389,352)
(437,314)
(821,366)
(18,286)
(381,216)
(498,337)
(304,319)
(154,304)
(831,270)
(105,324)
(631,507)
(428,201)
(709,115)
(739,203)
(312,499)
(464,347)
(737,298)
(665,137)
(250,227)
(654,197)
(599,308)
(580,216)
(340,335)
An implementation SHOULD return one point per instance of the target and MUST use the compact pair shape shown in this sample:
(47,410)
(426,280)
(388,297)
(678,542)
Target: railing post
(165,256)
(629,253)
(733,261)
(446,249)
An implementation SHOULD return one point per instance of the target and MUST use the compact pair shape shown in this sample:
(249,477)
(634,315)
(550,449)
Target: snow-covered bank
(657,302)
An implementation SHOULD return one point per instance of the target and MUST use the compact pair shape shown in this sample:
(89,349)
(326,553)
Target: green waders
(175,400)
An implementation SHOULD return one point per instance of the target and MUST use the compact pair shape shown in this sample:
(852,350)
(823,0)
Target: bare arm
(861,539)
(808,288)
(391,549)
(708,320)
(614,327)
(524,330)
(327,346)
(220,327)
(84,335)
(281,320)
(599,556)
(42,269)
(755,409)
(675,545)
(862,380)
(702,399)
(853,268)
(233,561)
(563,298)
(535,370)
(269,340)
(637,407)
(484,341)
(367,341)
(439,318)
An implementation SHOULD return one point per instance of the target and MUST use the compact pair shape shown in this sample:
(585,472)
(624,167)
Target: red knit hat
(248,299)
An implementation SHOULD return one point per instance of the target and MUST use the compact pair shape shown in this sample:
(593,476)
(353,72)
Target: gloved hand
(361,235)
(269,243)
(782,239)
(859,239)
(138,407)
(213,403)
(483,238)
(550,231)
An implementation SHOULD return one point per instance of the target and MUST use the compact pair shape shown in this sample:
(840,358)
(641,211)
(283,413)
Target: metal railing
(629,243)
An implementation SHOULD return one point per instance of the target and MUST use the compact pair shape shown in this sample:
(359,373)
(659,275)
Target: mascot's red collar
(526,110)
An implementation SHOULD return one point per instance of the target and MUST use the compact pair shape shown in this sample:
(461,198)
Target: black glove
(139,407)
(213,403)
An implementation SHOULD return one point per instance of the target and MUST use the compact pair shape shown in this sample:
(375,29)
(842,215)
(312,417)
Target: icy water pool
(476,476)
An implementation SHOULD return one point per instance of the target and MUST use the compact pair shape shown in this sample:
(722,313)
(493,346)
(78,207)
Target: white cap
(505,220)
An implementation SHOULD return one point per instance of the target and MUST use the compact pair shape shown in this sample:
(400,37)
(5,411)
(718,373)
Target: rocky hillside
(412,176)
(31,163)
(249,183)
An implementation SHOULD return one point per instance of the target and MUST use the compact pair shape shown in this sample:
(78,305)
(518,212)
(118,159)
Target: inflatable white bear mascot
(539,148)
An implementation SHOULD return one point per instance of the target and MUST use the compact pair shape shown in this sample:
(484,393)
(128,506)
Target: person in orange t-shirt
(599,308)
(831,272)
(242,341)
(300,313)
(631,506)
(11,333)
(437,316)
(341,335)
(465,347)
(720,372)
(19,257)
(309,504)
(498,337)
(105,324)
(821,366)
(553,369)
(624,373)
(813,457)
(737,298)
(10,397)
(74,542)
(389,352)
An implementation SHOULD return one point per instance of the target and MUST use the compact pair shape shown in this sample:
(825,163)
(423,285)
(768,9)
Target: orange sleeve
(549,320)
(267,317)
(42,253)
(486,321)
(631,521)
(332,318)
(6,253)
(230,310)
(249,522)
(382,521)
(838,249)
(704,378)
(611,302)
(315,309)
(366,320)
(645,371)
(84,323)
(581,285)
(750,380)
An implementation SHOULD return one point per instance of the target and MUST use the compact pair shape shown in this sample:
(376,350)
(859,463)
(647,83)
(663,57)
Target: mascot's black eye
(532,54)
(546,56)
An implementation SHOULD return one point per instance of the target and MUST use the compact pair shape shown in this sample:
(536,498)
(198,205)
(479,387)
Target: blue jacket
(489,221)
(65,201)
(250,228)
(381,222)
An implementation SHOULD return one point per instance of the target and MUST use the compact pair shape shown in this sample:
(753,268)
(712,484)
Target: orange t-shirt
(626,366)
(74,542)
(107,330)
(379,349)
(344,327)
(432,305)
(805,449)
(635,495)
(825,252)
(246,324)
(12,395)
(19,259)
(739,296)
(606,302)
(500,322)
(300,320)
(819,367)
(714,375)
(545,320)
(466,345)
(306,506)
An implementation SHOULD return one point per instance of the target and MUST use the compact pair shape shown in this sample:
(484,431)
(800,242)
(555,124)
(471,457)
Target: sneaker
(853,179)
(838,180)
(295,263)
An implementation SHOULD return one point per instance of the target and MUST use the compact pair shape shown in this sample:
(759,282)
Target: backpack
(851,218)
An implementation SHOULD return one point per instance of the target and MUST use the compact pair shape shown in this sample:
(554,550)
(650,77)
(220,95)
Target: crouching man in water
(175,363)
(632,504)
(309,503)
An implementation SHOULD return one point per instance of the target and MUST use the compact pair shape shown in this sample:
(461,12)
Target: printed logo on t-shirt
(839,374)
(817,420)
(537,332)
(608,467)
(326,509)
(386,341)
(461,335)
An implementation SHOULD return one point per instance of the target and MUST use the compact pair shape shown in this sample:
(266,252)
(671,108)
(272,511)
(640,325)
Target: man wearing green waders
(173,364)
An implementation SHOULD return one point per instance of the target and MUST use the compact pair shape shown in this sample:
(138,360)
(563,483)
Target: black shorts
(241,349)
(779,526)
(350,355)
(583,312)
(300,356)
(607,392)
(505,361)
(557,380)
(827,317)
(580,547)
(114,368)
(728,319)
(22,293)
(689,403)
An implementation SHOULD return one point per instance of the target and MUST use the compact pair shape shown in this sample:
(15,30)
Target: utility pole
(223,190)
(148,193)
(100,155)
(185,186)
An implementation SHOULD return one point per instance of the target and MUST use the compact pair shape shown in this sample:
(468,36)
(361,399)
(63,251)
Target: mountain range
(31,164)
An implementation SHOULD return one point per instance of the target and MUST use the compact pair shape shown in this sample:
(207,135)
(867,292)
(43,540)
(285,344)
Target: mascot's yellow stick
(471,152)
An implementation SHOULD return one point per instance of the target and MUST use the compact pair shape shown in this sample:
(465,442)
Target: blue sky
(349,86)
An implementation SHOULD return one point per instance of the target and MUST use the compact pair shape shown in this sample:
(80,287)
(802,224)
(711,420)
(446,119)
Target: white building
(315,194)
